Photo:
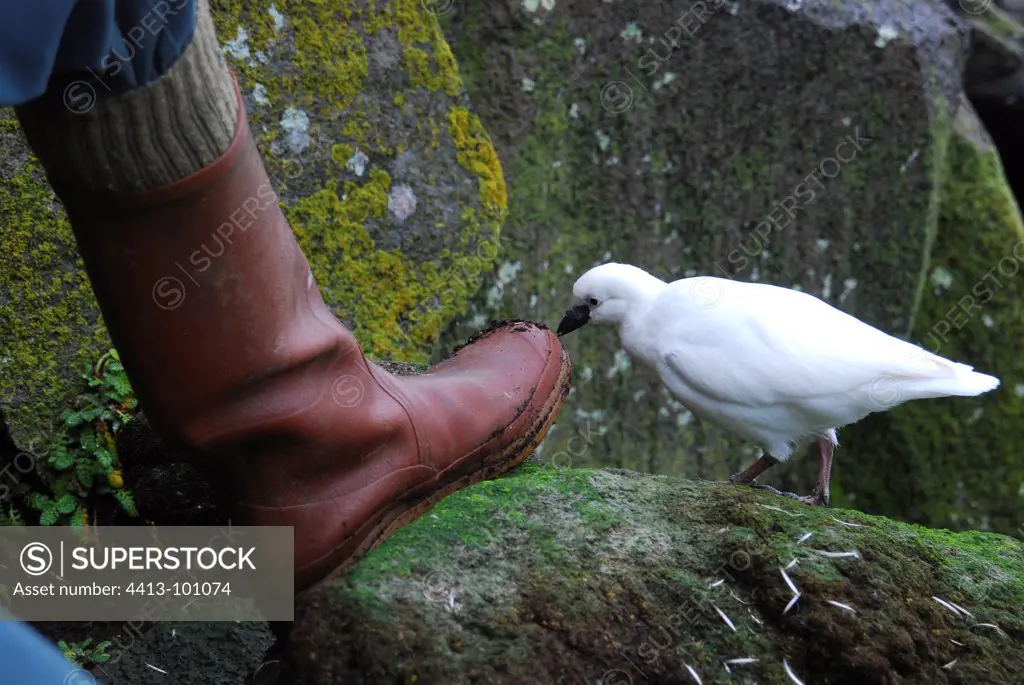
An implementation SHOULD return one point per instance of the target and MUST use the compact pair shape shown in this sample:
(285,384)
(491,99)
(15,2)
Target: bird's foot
(774,491)
(816,498)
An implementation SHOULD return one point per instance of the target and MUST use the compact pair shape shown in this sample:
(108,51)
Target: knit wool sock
(145,138)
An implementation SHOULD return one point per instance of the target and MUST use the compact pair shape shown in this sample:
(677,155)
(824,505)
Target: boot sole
(493,465)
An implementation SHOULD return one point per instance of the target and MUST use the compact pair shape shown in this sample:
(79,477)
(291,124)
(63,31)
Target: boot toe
(518,354)
(496,395)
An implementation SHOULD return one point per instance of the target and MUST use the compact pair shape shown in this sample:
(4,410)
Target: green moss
(421,70)
(357,128)
(330,228)
(528,587)
(474,517)
(341,153)
(434,70)
(43,308)
(329,53)
(447,66)
(970,568)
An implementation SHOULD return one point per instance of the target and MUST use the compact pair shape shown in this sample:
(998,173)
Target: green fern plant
(82,654)
(82,465)
(11,517)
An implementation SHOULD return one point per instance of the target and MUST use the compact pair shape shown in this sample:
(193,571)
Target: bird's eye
(593,301)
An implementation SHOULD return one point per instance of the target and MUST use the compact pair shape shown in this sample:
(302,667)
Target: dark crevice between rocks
(994,84)
(1005,124)
(169,490)
(9,452)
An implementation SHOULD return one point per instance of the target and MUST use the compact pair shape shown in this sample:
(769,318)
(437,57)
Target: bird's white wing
(762,344)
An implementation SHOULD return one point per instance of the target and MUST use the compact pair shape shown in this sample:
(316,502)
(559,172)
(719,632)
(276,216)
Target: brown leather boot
(237,358)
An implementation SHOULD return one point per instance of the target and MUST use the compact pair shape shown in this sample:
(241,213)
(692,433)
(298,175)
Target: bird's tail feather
(963,382)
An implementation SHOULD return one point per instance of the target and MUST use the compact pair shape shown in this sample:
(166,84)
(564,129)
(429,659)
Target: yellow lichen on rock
(477,154)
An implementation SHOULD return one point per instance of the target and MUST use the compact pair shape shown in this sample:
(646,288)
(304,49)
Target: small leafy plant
(84,655)
(82,465)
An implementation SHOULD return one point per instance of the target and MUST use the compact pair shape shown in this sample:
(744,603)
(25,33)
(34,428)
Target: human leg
(237,359)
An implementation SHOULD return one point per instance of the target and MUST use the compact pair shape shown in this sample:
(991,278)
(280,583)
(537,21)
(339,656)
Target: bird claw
(816,498)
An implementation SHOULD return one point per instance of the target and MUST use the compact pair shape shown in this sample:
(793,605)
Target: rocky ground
(552,575)
(577,576)
(194,653)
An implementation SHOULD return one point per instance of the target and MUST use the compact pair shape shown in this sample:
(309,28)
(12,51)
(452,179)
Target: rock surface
(588,576)
(706,138)
(391,184)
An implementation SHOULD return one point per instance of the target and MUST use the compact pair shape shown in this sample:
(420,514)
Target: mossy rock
(389,180)
(552,575)
(680,166)
(957,462)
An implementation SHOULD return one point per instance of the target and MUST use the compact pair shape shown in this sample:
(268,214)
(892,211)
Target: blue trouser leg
(26,658)
(111,45)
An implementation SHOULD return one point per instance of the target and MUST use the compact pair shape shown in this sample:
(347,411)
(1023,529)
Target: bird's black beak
(574,318)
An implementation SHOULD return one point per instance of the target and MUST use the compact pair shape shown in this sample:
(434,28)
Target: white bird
(775,366)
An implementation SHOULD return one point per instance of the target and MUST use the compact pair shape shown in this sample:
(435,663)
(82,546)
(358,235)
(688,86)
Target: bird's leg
(747,476)
(820,494)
